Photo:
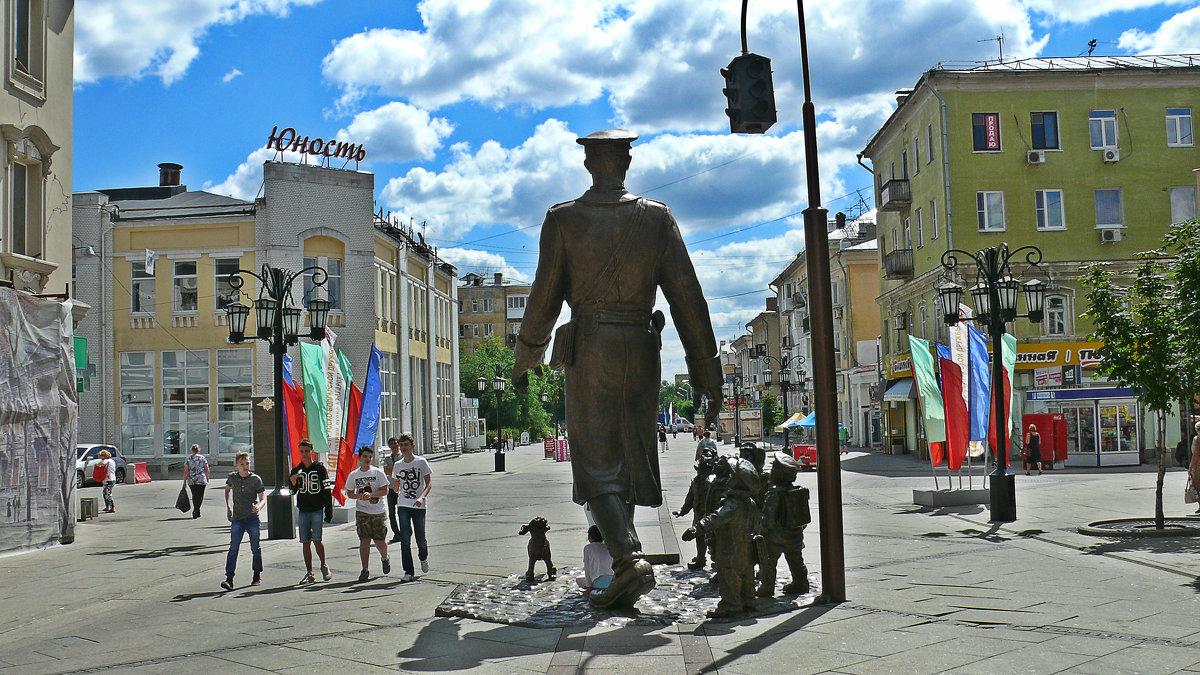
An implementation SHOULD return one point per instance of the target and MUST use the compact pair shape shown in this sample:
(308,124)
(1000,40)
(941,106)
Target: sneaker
(227,584)
(407,578)
(387,565)
(256,581)
(364,575)
(425,565)
(308,579)
(325,573)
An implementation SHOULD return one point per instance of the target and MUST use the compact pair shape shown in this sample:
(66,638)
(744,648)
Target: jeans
(411,520)
(236,529)
(392,497)
(197,497)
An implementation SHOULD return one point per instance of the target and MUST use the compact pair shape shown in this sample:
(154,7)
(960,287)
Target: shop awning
(809,421)
(901,391)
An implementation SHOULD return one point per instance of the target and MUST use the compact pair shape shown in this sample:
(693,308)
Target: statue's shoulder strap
(620,253)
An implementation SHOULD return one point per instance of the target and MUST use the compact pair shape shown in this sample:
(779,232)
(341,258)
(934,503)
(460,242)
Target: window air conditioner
(1112,155)
(837,312)
(1110,235)
(1035,157)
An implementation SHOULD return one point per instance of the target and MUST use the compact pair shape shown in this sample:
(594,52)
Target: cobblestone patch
(681,596)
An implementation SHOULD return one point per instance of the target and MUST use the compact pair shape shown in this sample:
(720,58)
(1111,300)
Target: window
(883,244)
(907,234)
(896,242)
(904,162)
(487,304)
(388,396)
(916,156)
(235,377)
(989,207)
(1179,127)
(1108,208)
(225,292)
(517,301)
(142,289)
(487,329)
(1183,203)
(933,226)
(985,132)
(137,402)
(474,330)
(835,294)
(1044,128)
(185,399)
(920,229)
(184,286)
(929,143)
(333,284)
(474,304)
(1049,206)
(924,321)
(1102,127)
(893,172)
(28,45)
(1056,315)
(26,209)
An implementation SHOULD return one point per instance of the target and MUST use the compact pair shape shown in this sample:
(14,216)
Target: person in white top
(597,563)
(110,479)
(368,485)
(412,480)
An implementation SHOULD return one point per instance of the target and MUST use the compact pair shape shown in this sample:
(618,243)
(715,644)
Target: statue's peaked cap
(608,137)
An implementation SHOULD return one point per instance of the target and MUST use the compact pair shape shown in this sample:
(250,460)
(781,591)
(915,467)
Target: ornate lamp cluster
(995,288)
(274,306)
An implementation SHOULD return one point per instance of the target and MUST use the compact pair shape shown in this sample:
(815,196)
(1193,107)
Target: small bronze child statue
(695,501)
(539,546)
(731,528)
(784,516)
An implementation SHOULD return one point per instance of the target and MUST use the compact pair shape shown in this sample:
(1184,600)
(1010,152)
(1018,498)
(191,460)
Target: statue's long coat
(612,383)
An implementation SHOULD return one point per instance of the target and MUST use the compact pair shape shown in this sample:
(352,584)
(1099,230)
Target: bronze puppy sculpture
(539,546)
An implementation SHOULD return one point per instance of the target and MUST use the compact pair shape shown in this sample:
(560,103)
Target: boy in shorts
(314,500)
(368,486)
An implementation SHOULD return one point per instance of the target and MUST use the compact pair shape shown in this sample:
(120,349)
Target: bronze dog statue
(539,546)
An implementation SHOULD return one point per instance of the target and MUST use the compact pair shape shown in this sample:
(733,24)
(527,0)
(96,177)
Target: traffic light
(750,94)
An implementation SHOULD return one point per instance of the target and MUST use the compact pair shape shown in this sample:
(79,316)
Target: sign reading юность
(288,139)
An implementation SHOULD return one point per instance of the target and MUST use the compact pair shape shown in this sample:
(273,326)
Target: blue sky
(468,110)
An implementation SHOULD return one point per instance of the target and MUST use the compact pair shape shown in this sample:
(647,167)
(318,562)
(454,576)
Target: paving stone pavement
(929,590)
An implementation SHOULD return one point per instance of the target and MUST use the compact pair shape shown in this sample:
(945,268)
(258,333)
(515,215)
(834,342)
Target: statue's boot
(799,583)
(631,580)
(697,563)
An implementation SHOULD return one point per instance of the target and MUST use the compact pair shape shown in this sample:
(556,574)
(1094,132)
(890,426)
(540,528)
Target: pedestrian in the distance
(706,443)
(195,476)
(389,462)
(370,495)
(314,506)
(244,498)
(1194,467)
(844,438)
(1033,450)
(674,431)
(662,438)
(412,480)
(110,479)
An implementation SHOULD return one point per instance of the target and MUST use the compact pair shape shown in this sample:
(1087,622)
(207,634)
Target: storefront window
(1117,429)
(185,408)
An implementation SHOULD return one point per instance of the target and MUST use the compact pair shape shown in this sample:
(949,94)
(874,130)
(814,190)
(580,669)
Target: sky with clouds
(469,110)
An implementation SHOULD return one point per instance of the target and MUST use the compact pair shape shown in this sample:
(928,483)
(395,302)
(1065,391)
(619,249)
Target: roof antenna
(1091,46)
(999,40)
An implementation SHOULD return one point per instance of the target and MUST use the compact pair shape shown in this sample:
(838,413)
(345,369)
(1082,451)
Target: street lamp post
(278,322)
(995,298)
(785,362)
(499,384)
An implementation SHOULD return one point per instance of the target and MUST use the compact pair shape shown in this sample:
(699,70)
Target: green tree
(772,413)
(1148,319)
(517,412)
(677,395)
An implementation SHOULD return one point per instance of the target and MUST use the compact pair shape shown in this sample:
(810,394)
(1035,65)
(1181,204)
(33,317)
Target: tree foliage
(517,412)
(677,395)
(772,412)
(1148,320)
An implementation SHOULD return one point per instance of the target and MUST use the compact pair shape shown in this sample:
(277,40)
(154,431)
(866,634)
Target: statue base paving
(681,596)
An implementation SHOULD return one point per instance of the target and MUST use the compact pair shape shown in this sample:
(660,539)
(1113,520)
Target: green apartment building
(1086,158)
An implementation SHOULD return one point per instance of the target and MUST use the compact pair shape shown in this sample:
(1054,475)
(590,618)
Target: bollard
(500,461)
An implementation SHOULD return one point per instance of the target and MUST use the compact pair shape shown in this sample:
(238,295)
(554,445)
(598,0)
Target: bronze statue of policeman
(606,254)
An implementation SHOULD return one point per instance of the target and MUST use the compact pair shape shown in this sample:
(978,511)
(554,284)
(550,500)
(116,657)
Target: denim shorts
(310,524)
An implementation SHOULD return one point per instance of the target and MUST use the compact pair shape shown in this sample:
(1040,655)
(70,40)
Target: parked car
(684,425)
(87,455)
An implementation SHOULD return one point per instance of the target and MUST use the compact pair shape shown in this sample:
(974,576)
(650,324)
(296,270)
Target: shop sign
(899,366)
(1043,354)
(1049,376)
(288,139)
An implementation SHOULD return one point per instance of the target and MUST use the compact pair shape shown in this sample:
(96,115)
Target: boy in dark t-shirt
(310,481)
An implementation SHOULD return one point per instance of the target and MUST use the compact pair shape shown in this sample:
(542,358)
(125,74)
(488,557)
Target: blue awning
(901,391)
(810,421)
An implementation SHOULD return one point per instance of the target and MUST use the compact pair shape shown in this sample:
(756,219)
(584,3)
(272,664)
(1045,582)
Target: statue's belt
(615,315)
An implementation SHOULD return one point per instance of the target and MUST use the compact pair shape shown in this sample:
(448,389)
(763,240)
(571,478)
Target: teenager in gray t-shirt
(244,498)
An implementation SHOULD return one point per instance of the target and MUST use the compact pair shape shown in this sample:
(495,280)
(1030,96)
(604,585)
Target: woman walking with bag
(1194,467)
(110,479)
(1033,450)
(195,476)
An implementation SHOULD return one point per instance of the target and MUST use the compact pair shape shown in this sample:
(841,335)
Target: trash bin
(500,461)
(897,447)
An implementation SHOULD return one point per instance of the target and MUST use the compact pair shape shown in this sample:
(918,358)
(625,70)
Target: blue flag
(368,419)
(979,383)
(287,369)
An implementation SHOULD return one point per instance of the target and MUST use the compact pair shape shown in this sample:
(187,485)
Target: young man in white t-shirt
(411,479)
(368,485)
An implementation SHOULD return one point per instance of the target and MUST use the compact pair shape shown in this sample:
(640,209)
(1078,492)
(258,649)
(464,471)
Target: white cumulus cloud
(136,38)
(228,77)
(397,132)
(1177,35)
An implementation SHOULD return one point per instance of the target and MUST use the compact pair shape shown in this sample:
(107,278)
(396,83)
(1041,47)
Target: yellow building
(167,376)
(490,307)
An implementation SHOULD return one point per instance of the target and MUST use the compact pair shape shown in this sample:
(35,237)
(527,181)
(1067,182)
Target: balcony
(895,195)
(898,264)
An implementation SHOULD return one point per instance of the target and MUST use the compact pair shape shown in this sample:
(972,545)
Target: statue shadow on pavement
(141,554)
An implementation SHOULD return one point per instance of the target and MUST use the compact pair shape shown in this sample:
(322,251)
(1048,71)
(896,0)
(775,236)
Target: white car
(87,457)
